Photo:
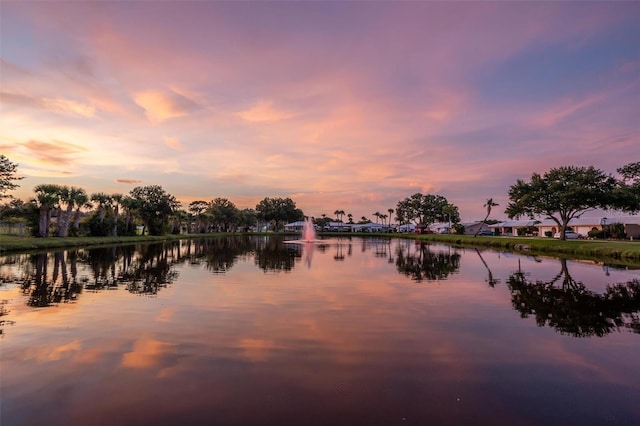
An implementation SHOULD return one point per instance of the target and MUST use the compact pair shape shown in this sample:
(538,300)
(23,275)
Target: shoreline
(612,250)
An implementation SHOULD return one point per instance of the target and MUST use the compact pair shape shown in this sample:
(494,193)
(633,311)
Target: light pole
(603,223)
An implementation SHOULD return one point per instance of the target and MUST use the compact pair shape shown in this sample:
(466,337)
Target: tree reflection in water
(570,308)
(422,263)
(219,255)
(52,278)
(490,278)
(59,287)
(61,277)
(272,254)
(151,269)
(4,311)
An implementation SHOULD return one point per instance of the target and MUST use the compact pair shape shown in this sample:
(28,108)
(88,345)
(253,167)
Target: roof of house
(337,224)
(368,225)
(475,222)
(515,224)
(438,225)
(298,223)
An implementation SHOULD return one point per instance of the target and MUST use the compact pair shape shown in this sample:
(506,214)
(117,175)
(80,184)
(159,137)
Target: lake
(359,331)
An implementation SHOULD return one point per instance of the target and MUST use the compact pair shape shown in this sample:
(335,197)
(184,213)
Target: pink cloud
(52,104)
(163,105)
(54,153)
(385,103)
(264,110)
(173,143)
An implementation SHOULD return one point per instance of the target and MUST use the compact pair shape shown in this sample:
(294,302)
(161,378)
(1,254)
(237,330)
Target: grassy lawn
(629,251)
(587,249)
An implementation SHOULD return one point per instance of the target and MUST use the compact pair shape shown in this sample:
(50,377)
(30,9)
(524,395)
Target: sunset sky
(338,105)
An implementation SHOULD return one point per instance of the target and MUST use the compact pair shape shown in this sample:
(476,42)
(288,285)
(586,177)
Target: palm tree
(103,201)
(339,214)
(377,215)
(350,216)
(391,211)
(129,205)
(64,197)
(489,204)
(197,208)
(177,218)
(116,200)
(71,196)
(47,196)
(81,202)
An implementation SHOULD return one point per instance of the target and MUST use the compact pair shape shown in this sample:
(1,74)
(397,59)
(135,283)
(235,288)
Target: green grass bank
(627,251)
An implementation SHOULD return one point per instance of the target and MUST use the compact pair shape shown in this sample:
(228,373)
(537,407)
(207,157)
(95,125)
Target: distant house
(294,226)
(406,228)
(369,227)
(470,228)
(510,228)
(440,228)
(338,227)
(582,225)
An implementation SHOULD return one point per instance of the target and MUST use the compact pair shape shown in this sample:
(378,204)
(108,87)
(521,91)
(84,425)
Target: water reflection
(424,263)
(273,255)
(59,287)
(4,311)
(218,255)
(349,339)
(562,303)
(490,278)
(570,307)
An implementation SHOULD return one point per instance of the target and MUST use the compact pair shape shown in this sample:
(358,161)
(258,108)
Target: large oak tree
(561,194)
(426,209)
(278,210)
(628,192)
(154,206)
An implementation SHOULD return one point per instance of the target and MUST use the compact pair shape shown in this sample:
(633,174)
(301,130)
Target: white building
(583,225)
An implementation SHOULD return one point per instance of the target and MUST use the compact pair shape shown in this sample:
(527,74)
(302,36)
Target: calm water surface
(355,332)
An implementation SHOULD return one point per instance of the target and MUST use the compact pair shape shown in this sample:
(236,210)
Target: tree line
(150,207)
(561,194)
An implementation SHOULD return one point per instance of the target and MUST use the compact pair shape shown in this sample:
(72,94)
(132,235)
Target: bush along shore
(628,251)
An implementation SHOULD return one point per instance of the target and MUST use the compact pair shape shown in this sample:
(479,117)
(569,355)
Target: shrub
(596,233)
(94,228)
(616,231)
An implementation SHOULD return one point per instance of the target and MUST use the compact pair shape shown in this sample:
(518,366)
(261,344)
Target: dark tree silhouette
(570,308)
(275,256)
(425,264)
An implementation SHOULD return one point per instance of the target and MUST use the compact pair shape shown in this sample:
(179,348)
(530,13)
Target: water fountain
(308,231)
(307,241)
